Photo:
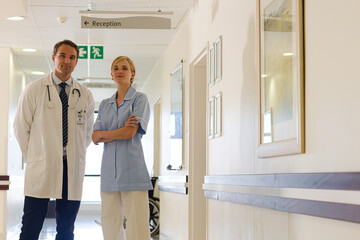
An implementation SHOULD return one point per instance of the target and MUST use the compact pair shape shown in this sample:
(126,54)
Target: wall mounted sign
(143,22)
(83,52)
(96,52)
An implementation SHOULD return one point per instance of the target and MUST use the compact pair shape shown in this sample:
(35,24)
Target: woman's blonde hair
(131,63)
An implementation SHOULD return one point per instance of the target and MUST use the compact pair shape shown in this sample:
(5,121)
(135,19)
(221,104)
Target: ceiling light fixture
(157,12)
(38,73)
(29,50)
(288,54)
(62,19)
(16,18)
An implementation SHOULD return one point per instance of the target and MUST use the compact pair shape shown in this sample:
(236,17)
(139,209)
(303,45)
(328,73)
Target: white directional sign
(129,22)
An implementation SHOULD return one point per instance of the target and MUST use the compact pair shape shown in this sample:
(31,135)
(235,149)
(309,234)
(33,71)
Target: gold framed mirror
(281,77)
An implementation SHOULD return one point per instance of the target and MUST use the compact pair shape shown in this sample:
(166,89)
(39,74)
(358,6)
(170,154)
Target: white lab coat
(38,129)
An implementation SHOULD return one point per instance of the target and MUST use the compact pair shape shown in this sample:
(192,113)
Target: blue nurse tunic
(123,165)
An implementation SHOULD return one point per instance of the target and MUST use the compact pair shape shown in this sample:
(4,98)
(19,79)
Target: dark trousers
(35,210)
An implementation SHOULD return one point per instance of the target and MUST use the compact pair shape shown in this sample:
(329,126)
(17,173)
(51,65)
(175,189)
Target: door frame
(197,144)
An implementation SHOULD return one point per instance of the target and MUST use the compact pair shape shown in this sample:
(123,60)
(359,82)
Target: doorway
(157,138)
(197,146)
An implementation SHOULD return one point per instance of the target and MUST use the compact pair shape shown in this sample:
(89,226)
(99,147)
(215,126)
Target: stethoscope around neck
(50,103)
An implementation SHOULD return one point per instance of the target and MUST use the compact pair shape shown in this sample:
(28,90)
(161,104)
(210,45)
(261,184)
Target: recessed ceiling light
(16,18)
(38,73)
(288,54)
(29,50)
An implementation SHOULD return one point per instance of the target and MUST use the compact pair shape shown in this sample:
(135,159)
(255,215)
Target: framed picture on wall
(211,65)
(211,121)
(218,59)
(281,77)
(218,114)
(176,117)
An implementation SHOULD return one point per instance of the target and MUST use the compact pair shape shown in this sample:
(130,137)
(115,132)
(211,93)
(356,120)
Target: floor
(85,228)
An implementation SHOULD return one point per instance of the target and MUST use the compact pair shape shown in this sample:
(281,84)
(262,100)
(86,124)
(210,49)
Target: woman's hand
(96,137)
(121,133)
(131,121)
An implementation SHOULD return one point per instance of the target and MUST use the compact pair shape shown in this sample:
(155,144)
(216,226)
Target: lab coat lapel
(74,99)
(54,94)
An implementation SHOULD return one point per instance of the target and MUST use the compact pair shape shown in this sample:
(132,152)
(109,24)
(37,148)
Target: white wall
(4,99)
(332,86)
(13,82)
(18,81)
(331,89)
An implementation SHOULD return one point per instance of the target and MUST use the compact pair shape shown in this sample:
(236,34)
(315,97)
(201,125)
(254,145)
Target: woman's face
(121,72)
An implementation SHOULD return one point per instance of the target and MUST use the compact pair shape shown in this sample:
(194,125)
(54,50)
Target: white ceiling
(41,30)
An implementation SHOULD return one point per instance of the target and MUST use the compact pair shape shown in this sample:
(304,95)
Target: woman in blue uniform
(125,181)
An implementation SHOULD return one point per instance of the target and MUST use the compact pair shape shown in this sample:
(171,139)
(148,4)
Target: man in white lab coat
(53,126)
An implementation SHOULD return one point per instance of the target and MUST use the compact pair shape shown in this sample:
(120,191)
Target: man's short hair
(66,42)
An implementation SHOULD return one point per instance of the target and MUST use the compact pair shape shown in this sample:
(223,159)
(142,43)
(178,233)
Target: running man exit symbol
(83,52)
(97,52)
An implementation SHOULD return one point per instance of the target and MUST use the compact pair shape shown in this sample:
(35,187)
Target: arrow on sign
(82,52)
(86,23)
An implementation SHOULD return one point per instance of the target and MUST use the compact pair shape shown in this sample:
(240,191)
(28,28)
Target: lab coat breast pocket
(80,118)
(80,115)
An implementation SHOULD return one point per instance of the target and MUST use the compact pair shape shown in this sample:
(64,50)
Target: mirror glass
(176,118)
(279,70)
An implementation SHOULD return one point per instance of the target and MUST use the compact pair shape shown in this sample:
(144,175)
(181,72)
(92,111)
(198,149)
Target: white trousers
(130,205)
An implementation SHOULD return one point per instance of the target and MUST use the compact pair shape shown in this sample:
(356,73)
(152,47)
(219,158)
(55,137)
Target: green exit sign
(96,52)
(83,52)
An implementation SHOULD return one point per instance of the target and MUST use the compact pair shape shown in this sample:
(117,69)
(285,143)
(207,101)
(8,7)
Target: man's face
(65,61)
